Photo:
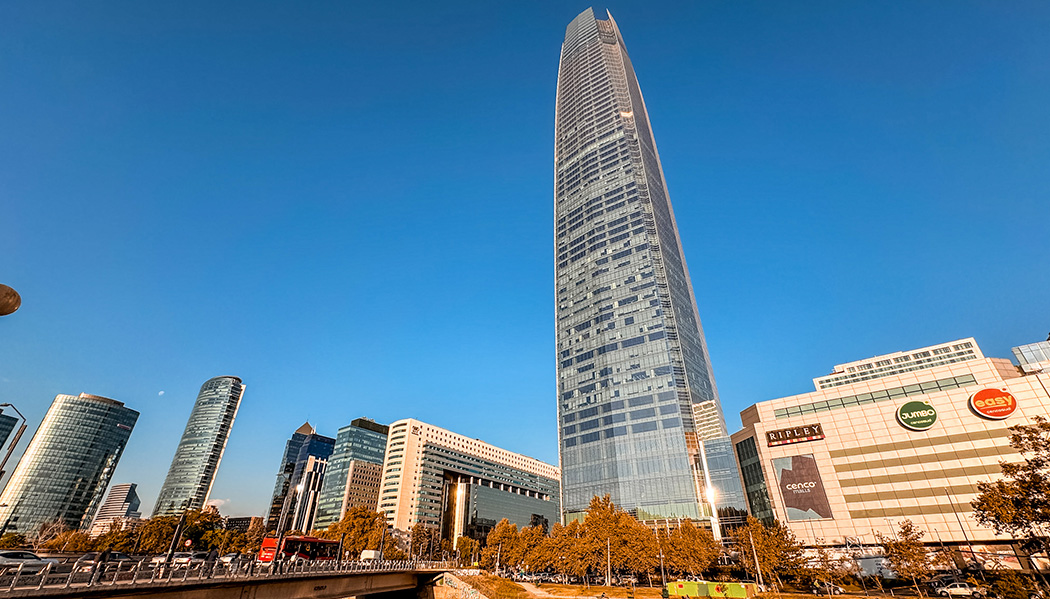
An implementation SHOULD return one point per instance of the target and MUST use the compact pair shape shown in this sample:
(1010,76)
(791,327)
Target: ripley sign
(994,404)
(798,434)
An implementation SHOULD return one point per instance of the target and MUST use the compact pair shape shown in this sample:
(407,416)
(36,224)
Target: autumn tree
(690,549)
(779,553)
(69,541)
(1018,504)
(12,540)
(117,538)
(423,540)
(468,549)
(360,529)
(565,549)
(155,534)
(906,553)
(501,546)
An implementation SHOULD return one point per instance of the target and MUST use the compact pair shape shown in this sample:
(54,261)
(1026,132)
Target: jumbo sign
(994,404)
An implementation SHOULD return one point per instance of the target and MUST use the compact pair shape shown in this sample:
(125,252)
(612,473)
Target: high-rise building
(7,424)
(461,486)
(192,471)
(64,472)
(298,488)
(121,503)
(352,476)
(636,393)
(284,474)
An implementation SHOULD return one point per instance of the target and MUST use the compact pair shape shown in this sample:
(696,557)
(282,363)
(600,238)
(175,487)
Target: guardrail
(144,572)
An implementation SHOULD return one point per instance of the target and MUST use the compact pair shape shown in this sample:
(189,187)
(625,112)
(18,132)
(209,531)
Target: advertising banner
(801,488)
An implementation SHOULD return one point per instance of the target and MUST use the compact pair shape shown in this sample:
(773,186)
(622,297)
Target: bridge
(296,580)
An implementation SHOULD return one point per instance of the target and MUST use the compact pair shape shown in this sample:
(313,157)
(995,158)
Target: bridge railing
(144,572)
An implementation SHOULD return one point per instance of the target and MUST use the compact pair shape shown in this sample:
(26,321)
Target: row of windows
(876,396)
(619,431)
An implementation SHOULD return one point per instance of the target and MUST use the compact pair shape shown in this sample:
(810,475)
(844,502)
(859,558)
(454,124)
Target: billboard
(801,488)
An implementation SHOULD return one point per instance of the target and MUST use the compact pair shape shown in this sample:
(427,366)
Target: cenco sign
(995,404)
(917,415)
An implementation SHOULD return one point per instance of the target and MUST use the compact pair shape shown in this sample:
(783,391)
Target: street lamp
(14,441)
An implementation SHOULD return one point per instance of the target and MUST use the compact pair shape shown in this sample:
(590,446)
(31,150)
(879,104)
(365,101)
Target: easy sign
(994,404)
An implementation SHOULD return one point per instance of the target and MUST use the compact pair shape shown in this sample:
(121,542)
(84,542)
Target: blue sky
(349,205)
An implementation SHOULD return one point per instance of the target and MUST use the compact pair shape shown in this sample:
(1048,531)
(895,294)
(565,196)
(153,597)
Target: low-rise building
(901,436)
(462,486)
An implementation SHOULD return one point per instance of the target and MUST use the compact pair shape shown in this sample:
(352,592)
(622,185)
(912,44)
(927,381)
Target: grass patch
(495,587)
(578,590)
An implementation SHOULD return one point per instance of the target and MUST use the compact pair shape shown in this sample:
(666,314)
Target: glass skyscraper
(636,396)
(192,471)
(64,472)
(299,481)
(363,440)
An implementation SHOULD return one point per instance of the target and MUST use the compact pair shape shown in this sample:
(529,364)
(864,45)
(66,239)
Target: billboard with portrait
(801,488)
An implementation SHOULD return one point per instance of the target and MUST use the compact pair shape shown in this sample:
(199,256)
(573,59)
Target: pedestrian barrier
(144,572)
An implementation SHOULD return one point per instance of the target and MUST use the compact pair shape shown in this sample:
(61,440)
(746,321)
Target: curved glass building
(200,450)
(64,472)
(636,394)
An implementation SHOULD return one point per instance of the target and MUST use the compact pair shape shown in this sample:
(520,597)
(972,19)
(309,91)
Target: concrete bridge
(316,580)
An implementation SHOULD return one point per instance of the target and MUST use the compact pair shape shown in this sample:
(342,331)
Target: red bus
(299,548)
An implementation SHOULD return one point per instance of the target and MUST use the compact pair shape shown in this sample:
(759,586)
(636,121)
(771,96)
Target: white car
(30,562)
(961,589)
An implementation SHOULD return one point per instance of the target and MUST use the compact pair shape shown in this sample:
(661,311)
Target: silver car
(30,562)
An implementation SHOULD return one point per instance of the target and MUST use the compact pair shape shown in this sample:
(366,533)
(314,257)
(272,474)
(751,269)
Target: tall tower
(632,360)
(64,472)
(200,450)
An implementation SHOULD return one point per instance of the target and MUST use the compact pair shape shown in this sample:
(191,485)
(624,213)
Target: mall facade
(901,436)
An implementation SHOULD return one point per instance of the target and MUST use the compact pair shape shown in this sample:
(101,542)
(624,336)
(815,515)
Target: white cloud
(161,393)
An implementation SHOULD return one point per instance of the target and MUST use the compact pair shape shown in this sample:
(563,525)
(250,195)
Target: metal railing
(145,572)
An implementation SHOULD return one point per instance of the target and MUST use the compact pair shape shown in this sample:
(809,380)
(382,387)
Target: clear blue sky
(349,205)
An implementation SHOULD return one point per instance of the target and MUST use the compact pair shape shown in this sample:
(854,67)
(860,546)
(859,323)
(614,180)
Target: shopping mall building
(901,436)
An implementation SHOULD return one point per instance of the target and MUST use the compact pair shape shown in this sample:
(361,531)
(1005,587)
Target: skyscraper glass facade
(192,471)
(64,472)
(362,440)
(7,424)
(300,501)
(632,360)
(284,474)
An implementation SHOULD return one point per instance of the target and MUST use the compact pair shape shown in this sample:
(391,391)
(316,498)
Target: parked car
(30,562)
(826,588)
(88,561)
(961,589)
(189,560)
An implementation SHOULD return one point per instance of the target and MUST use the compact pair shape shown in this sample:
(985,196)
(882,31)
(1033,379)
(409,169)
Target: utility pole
(499,551)
(754,554)
(608,562)
(663,575)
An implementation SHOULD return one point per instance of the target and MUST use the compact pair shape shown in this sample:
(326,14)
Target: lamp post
(14,441)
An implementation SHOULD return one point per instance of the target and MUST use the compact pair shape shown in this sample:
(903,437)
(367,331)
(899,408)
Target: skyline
(258,206)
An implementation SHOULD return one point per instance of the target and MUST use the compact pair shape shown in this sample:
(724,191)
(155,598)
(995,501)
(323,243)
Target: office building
(284,474)
(848,461)
(243,524)
(352,476)
(121,504)
(64,472)
(462,486)
(7,424)
(192,472)
(307,468)
(636,393)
